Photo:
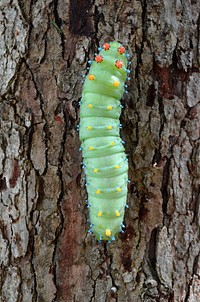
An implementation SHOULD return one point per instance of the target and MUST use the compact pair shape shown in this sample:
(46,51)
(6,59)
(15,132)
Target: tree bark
(46,253)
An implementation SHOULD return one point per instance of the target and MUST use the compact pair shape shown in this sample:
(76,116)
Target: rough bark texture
(46,254)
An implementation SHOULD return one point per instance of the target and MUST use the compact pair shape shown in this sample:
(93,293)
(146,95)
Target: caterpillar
(104,160)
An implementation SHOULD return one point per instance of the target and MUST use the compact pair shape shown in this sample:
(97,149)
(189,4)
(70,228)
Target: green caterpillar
(104,160)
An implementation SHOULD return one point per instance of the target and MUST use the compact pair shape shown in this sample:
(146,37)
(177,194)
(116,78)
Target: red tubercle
(106,46)
(119,64)
(121,50)
(98,58)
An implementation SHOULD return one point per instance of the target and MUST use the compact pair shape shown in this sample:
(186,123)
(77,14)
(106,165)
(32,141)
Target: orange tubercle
(119,64)
(106,46)
(121,50)
(91,77)
(98,58)
(116,83)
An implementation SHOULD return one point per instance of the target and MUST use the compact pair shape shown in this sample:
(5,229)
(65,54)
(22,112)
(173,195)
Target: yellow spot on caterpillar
(117,167)
(119,189)
(116,83)
(91,148)
(109,127)
(108,232)
(109,107)
(117,213)
(98,191)
(89,127)
(96,170)
(99,214)
(91,77)
(112,143)
(89,106)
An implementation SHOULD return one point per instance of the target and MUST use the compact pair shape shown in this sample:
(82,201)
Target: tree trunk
(46,253)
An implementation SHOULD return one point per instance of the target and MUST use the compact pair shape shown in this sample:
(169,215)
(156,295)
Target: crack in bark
(58,22)
(60,199)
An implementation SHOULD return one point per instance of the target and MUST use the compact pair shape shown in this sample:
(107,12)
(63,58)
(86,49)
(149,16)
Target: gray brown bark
(45,252)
